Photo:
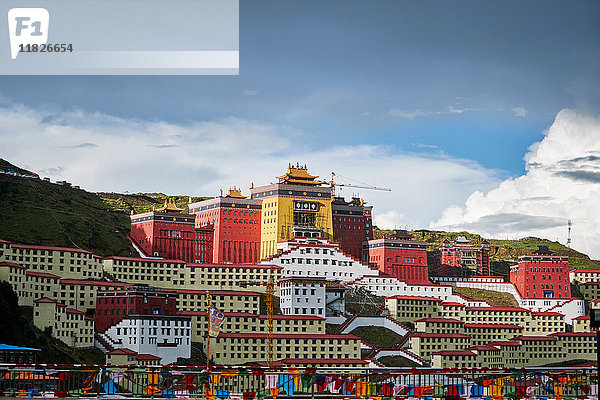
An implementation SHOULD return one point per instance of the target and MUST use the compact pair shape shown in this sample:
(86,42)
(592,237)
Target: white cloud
(249,92)
(562,182)
(519,111)
(104,153)
(412,114)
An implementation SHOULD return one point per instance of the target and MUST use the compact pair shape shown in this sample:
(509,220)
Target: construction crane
(358,186)
(269,294)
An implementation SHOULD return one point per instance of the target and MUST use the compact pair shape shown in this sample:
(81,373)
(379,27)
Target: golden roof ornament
(235,193)
(169,206)
(299,175)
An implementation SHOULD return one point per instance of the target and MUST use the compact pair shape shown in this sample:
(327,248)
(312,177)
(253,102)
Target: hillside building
(461,258)
(171,234)
(68,325)
(542,275)
(235,221)
(144,320)
(352,225)
(405,260)
(298,205)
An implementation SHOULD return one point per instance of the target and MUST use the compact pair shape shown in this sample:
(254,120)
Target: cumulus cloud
(562,182)
(201,157)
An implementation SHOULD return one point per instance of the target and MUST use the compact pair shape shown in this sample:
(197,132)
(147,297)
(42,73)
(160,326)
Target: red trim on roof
(155,260)
(93,283)
(73,311)
(147,357)
(454,353)
(582,318)
(576,334)
(504,344)
(121,352)
(442,320)
(214,292)
(259,316)
(498,308)
(595,271)
(12,265)
(403,297)
(494,326)
(35,247)
(288,336)
(483,348)
(45,300)
(251,266)
(323,361)
(548,313)
(448,335)
(453,304)
(535,338)
(42,275)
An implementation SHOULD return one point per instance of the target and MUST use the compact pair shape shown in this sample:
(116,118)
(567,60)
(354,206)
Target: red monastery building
(169,233)
(403,259)
(461,258)
(114,305)
(352,225)
(542,275)
(235,221)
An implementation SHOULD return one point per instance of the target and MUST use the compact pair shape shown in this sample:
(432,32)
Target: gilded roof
(299,175)
(169,206)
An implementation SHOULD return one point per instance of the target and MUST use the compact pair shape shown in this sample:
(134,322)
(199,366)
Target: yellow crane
(270,284)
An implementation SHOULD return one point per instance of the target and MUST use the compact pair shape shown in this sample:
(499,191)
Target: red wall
(112,307)
(391,261)
(154,240)
(536,278)
(236,233)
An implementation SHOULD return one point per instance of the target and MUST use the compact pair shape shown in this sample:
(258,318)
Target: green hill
(39,212)
(503,252)
(143,202)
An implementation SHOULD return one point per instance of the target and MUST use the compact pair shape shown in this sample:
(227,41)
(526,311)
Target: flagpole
(207,329)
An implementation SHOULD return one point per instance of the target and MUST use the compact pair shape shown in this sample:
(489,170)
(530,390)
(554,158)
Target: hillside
(39,212)
(143,202)
(503,252)
(494,298)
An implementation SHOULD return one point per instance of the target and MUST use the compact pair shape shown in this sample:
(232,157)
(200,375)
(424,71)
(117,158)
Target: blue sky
(460,89)
(335,69)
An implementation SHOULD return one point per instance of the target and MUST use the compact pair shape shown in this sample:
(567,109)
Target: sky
(467,110)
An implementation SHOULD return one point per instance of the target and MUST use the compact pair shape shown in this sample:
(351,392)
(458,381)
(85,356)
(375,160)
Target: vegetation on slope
(492,297)
(143,202)
(20,331)
(377,336)
(42,213)
(503,252)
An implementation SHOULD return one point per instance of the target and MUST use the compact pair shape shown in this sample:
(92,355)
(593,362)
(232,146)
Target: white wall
(143,335)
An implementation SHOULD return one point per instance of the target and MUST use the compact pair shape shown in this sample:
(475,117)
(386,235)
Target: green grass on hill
(492,297)
(501,251)
(42,213)
(376,336)
(143,202)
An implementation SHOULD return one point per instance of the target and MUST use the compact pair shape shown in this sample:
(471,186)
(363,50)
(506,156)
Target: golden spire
(299,175)
(169,206)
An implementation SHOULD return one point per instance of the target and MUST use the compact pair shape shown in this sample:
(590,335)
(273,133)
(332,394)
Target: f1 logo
(27,26)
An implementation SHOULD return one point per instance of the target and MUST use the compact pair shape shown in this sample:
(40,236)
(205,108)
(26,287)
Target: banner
(215,319)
